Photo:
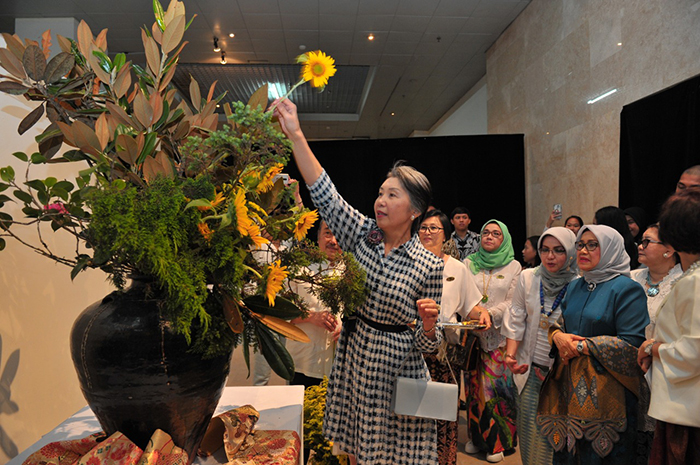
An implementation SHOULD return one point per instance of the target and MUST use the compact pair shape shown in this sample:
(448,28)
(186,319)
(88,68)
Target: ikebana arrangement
(166,195)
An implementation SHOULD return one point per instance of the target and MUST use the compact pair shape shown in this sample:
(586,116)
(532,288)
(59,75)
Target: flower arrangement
(166,192)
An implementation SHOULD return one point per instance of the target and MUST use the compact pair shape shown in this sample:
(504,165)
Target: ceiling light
(232,35)
(216,45)
(392,113)
(619,44)
(602,96)
(370,36)
(223,58)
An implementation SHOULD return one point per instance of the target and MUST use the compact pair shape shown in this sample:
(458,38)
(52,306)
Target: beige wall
(38,304)
(556,56)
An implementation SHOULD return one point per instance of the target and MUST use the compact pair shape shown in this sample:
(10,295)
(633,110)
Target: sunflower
(243,222)
(318,67)
(275,278)
(267,180)
(205,231)
(218,198)
(304,223)
(256,236)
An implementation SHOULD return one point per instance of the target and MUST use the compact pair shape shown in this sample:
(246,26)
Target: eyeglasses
(590,246)
(495,234)
(645,243)
(555,251)
(431,229)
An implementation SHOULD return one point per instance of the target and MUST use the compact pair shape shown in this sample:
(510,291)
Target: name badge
(500,276)
(450,278)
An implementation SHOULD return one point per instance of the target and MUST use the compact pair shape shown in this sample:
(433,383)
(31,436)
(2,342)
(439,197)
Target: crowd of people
(588,350)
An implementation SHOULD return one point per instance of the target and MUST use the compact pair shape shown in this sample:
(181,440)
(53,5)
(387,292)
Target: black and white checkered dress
(358,416)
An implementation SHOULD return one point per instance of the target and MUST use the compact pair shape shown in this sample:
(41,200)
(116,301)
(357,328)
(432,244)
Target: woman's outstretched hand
(428,310)
(286,112)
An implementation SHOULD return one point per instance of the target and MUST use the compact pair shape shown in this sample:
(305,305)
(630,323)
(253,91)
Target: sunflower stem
(273,106)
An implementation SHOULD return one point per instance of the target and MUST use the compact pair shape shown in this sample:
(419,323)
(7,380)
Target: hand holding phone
(557,211)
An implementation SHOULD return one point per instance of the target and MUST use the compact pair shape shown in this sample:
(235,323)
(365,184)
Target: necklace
(544,322)
(485,285)
(652,289)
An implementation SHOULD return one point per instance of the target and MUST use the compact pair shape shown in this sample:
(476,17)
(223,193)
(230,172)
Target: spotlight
(216,45)
(223,58)
(370,36)
(232,35)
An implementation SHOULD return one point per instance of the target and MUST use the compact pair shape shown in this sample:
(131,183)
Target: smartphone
(283,176)
(557,208)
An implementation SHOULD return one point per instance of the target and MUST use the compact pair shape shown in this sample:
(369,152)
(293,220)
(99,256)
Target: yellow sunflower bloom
(258,239)
(275,278)
(304,223)
(243,222)
(267,182)
(318,67)
(205,231)
(218,198)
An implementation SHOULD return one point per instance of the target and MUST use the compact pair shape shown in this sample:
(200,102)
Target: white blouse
(499,285)
(459,295)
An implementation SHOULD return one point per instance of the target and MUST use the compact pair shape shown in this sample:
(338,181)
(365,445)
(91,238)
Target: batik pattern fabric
(492,412)
(447,431)
(534,448)
(467,246)
(116,449)
(589,408)
(358,416)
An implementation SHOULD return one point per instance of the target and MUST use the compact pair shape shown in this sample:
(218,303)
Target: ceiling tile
(374,23)
(263,21)
(301,22)
(410,24)
(456,7)
(374,7)
(417,7)
(257,7)
(337,22)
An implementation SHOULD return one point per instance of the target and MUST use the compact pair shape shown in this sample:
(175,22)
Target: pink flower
(375,236)
(56,208)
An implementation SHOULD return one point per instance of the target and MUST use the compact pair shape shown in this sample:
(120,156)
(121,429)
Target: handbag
(463,356)
(425,399)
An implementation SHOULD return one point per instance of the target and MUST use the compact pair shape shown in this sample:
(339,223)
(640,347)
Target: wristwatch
(649,347)
(579,347)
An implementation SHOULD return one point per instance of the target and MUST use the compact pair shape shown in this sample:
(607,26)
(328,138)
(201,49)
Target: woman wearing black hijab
(615,218)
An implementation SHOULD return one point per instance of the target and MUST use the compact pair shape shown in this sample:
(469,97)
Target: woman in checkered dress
(404,281)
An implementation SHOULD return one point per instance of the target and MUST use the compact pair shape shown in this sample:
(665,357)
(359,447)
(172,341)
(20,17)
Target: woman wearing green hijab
(492,393)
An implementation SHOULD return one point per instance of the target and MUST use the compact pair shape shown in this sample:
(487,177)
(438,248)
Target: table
(280,407)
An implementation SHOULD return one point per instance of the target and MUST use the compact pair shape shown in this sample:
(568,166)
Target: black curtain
(659,139)
(486,174)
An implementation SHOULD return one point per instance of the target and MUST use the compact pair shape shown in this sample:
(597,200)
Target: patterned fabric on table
(588,408)
(492,404)
(358,416)
(116,449)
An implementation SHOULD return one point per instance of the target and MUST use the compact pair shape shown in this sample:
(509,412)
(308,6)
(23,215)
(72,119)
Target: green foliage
(314,407)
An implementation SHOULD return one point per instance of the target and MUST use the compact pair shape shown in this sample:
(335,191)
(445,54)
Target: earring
(666,255)
(413,217)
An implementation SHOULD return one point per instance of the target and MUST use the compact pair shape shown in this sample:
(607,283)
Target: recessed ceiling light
(232,35)
(619,44)
(392,113)
(370,36)
(302,47)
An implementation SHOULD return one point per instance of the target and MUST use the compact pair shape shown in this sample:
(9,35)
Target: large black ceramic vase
(137,375)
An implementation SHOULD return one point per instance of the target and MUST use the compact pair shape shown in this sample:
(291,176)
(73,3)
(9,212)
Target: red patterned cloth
(116,449)
(243,446)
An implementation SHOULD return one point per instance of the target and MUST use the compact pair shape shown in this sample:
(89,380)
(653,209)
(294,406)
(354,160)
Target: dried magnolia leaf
(12,64)
(50,145)
(232,313)
(85,39)
(14,44)
(157,33)
(59,66)
(119,114)
(127,149)
(166,163)
(142,110)
(46,43)
(210,122)
(195,94)
(173,33)
(211,91)
(166,80)
(259,98)
(151,169)
(156,104)
(67,133)
(123,81)
(102,131)
(152,55)
(13,87)
(85,138)
(63,43)
(31,119)
(99,72)
(285,328)
(101,40)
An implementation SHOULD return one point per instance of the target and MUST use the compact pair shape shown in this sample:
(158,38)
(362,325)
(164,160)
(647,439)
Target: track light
(216,45)
(223,57)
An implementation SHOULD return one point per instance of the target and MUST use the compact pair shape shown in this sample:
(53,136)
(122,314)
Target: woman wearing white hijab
(589,403)
(536,307)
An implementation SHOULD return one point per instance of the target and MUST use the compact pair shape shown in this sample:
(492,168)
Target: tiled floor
(238,377)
